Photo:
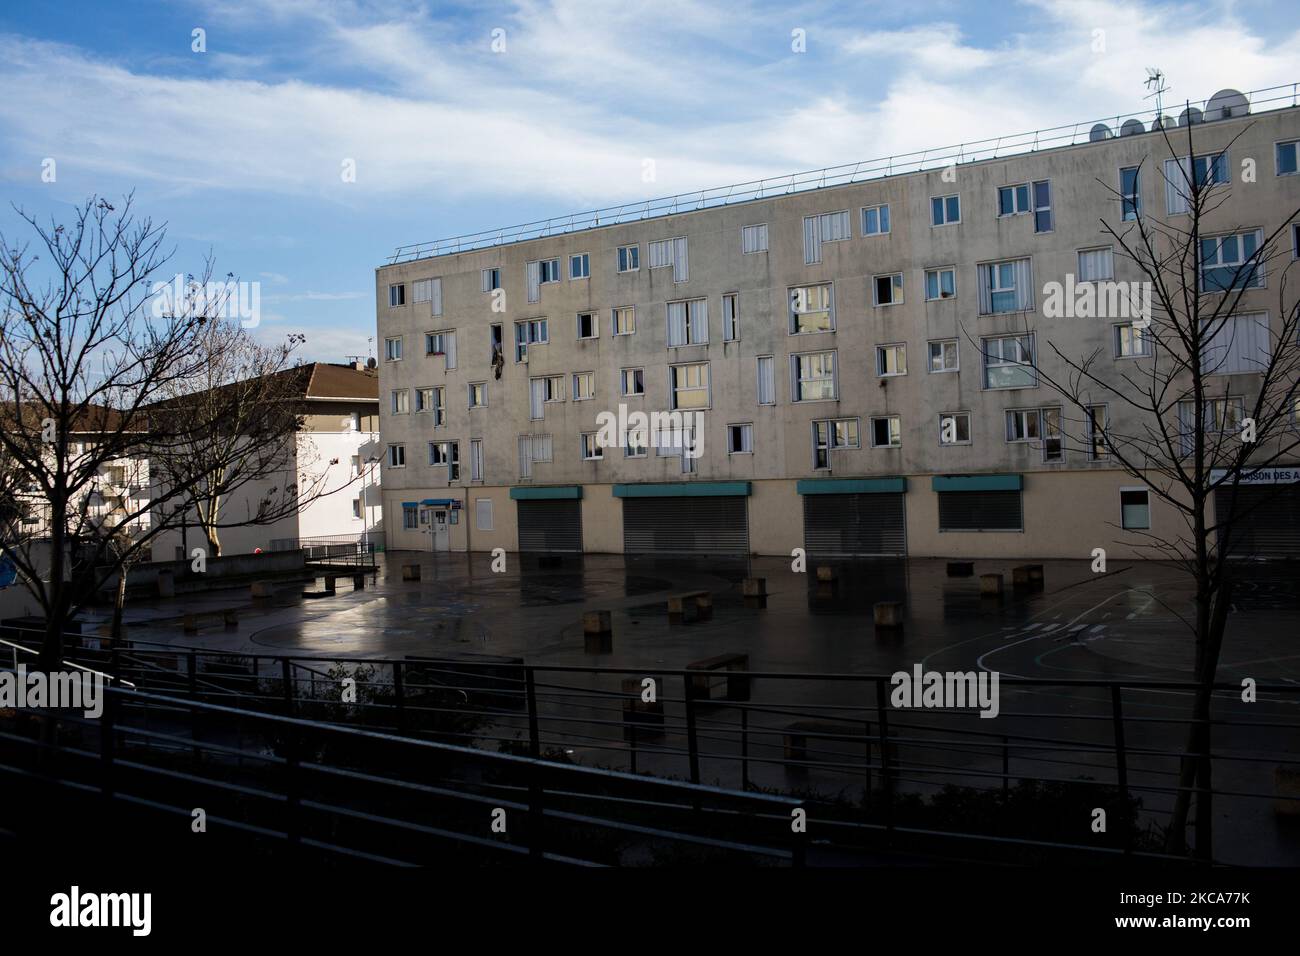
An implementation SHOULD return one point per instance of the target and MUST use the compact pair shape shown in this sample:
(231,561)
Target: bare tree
(1175,421)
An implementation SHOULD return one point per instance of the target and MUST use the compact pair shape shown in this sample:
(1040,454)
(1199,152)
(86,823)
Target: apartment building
(851,363)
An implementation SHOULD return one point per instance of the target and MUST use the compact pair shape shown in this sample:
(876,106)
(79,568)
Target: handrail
(90,670)
(1273,97)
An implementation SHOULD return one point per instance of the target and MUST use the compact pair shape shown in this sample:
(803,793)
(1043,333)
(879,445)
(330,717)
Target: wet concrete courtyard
(1125,625)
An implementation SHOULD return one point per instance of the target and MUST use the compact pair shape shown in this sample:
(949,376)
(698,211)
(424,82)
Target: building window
(441,345)
(730,317)
(766,380)
(1008,361)
(1135,509)
(1209,171)
(1131,341)
(827,227)
(477,394)
(591,449)
(588,327)
(483,514)
(1006,286)
(886,432)
(490,280)
(753,238)
(1222,417)
(1038,425)
(945,210)
(671,252)
(740,439)
(1236,345)
(584,386)
(476,472)
(1095,432)
(943,355)
(396,295)
(1286,156)
(549,271)
(812,309)
(1130,193)
(891,359)
(633,381)
(875,220)
(533,272)
(531,332)
(636,444)
(401,401)
(624,320)
(629,258)
(439,405)
(1230,262)
(356,507)
(831,434)
(396,456)
(888,289)
(1096,265)
(954,428)
(580,266)
(410,517)
(543,391)
(533,449)
(1043,221)
(940,284)
(1295,240)
(813,376)
(393,349)
(688,323)
(690,385)
(1013,200)
(428,290)
(424,399)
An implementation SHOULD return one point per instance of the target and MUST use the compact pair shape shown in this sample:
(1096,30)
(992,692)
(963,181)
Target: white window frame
(594,325)
(943,202)
(400,401)
(985,366)
(929,363)
(476,469)
(549,267)
(746,438)
(895,289)
(877,208)
(530,327)
(895,433)
(731,323)
(482,391)
(1132,489)
(770,379)
(1090,251)
(692,309)
(1138,333)
(1277,155)
(490,280)
(397,295)
(613,319)
(397,455)
(625,378)
(389,351)
(1016,210)
(1131,199)
(1259,280)
(899,350)
(674,389)
(957,441)
(938,272)
(589,448)
(797,383)
(624,258)
(792,301)
(583,261)
(590,377)
(756,229)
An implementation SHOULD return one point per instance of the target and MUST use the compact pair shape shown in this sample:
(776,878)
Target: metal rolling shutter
(686,525)
(980,511)
(869,524)
(1267,520)
(549,526)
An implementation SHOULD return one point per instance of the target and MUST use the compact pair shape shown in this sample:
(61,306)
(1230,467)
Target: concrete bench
(797,735)
(725,672)
(638,711)
(888,614)
(597,632)
(701,602)
(410,572)
(991,585)
(262,589)
(1027,576)
(961,569)
(358,582)
(754,591)
(825,574)
(190,622)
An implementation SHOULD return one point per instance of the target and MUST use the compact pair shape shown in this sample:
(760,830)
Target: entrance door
(433,522)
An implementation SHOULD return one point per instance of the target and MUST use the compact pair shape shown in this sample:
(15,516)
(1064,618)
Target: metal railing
(834,738)
(1274,97)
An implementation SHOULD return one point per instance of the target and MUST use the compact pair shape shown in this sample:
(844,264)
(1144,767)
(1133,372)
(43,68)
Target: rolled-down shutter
(841,525)
(686,525)
(549,526)
(980,511)
(1266,522)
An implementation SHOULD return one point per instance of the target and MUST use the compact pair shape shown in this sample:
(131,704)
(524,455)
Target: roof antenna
(1155,82)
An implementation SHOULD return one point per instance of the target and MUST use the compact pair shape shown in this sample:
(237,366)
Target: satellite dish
(1132,127)
(1163,122)
(1226,104)
(1099,132)
(370,362)
(1189,117)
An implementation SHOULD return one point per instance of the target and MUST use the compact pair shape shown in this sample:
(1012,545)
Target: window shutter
(449,345)
(1178,185)
(766,380)
(537,393)
(1024,285)
(676,323)
(681,265)
(986,293)
(534,281)
(812,241)
(699,318)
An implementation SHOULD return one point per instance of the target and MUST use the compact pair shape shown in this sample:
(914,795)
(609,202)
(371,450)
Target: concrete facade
(1069,505)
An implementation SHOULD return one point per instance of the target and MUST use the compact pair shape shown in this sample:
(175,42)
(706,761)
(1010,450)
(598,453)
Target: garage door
(686,525)
(549,526)
(1267,520)
(847,525)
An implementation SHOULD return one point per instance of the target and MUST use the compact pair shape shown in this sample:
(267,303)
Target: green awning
(851,486)
(545,492)
(977,482)
(684,489)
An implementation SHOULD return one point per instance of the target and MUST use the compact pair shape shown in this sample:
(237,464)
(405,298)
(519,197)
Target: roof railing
(1269,98)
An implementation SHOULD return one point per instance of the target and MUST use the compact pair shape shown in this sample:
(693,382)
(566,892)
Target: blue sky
(239,149)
